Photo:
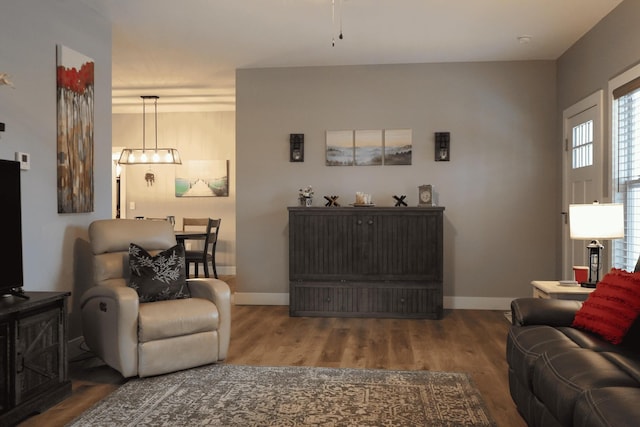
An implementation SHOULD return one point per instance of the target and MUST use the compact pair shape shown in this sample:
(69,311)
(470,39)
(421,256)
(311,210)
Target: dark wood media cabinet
(33,362)
(366,262)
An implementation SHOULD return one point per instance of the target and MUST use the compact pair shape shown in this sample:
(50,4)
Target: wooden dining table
(182,235)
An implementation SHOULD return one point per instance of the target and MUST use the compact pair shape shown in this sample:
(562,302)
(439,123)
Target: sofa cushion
(188,316)
(160,277)
(526,344)
(589,340)
(560,376)
(610,310)
(606,407)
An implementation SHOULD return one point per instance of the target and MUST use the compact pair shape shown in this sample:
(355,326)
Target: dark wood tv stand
(366,262)
(33,362)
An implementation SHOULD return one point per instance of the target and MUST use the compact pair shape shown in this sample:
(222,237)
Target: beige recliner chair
(150,338)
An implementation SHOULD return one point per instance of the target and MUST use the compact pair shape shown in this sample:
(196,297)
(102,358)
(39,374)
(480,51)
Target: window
(626,169)
(582,150)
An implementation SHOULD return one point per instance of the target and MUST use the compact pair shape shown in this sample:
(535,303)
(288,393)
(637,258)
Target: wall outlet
(132,206)
(24,159)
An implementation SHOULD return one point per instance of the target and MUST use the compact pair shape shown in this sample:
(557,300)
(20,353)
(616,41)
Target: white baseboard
(461,303)
(477,303)
(251,298)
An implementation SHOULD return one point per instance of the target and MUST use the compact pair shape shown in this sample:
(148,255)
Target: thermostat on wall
(24,159)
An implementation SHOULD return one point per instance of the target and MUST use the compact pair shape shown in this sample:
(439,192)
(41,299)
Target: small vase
(306,201)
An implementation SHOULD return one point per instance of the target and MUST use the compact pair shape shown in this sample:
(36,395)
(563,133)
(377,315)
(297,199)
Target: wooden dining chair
(207,254)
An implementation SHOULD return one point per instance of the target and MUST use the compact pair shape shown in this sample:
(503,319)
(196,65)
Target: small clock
(425,195)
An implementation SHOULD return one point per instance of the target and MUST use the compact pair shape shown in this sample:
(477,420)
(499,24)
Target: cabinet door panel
(323,245)
(410,247)
(37,354)
(4,367)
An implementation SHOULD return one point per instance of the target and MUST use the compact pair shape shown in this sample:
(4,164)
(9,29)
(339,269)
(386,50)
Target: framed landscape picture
(339,148)
(202,178)
(397,147)
(368,147)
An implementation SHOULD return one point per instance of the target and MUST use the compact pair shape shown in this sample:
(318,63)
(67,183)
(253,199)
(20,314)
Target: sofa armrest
(540,311)
(219,293)
(110,326)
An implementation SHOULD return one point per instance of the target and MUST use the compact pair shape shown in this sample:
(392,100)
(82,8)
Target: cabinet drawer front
(327,299)
(404,301)
(365,300)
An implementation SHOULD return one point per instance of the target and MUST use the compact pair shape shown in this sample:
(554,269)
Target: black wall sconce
(443,146)
(296,147)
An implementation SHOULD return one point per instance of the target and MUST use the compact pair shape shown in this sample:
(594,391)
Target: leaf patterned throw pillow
(158,278)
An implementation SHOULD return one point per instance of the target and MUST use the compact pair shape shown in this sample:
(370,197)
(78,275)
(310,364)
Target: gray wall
(500,189)
(197,136)
(607,50)
(29,32)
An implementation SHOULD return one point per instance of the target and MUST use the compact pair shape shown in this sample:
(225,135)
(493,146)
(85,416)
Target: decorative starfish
(400,200)
(332,201)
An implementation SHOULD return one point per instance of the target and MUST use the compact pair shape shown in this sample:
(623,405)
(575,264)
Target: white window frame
(620,256)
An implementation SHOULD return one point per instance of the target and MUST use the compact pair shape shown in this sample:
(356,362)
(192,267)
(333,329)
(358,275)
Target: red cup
(581,273)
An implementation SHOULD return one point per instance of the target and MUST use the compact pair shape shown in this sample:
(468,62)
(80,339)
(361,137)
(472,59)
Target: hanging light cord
(155,102)
(144,126)
(333,22)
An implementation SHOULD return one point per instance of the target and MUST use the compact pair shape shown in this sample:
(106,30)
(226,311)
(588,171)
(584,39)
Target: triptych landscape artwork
(369,147)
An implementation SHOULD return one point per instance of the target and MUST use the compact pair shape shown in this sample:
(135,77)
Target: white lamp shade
(596,221)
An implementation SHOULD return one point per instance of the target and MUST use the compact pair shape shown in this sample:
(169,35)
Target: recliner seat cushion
(526,344)
(173,318)
(608,407)
(589,340)
(561,375)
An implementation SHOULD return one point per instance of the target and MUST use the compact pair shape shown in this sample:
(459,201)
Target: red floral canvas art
(75,96)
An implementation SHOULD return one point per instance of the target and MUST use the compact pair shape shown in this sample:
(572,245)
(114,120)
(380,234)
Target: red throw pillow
(610,310)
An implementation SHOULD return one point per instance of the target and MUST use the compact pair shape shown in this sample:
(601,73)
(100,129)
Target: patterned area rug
(231,395)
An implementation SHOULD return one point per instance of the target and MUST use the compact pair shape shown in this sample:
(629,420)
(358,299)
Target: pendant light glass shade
(149,156)
(140,156)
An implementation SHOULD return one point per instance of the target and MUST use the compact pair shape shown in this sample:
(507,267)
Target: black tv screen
(11,220)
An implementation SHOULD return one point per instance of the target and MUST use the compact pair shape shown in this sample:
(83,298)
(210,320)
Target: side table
(553,289)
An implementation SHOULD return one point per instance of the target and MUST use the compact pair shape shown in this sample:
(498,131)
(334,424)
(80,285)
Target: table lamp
(592,222)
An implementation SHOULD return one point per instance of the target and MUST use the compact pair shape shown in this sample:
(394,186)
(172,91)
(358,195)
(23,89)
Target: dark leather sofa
(562,376)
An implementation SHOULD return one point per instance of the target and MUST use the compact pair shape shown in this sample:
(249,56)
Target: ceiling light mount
(525,39)
(144,156)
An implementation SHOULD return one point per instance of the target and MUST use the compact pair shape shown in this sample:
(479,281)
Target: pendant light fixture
(333,21)
(144,156)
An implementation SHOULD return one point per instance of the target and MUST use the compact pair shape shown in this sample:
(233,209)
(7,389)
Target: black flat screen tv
(11,270)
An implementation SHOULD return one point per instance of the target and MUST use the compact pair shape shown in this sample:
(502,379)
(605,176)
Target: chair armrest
(110,326)
(541,311)
(219,293)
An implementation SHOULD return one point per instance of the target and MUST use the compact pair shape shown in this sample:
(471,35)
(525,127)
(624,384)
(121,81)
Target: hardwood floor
(470,341)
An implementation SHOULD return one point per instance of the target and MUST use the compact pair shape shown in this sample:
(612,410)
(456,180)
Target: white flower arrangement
(306,193)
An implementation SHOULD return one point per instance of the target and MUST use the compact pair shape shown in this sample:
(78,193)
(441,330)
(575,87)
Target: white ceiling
(187,51)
